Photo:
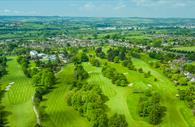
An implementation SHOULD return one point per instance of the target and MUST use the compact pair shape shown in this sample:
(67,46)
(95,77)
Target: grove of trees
(149,106)
(3,65)
(89,101)
(117,78)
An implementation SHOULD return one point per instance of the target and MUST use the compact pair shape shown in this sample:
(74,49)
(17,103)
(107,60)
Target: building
(33,54)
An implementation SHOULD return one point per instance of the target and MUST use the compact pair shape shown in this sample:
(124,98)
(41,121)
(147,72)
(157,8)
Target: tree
(149,106)
(89,101)
(117,120)
(117,78)
(140,70)
(95,62)
(101,121)
(116,59)
(122,55)
(80,73)
(190,68)
(84,57)
(156,113)
(100,53)
(183,81)
(44,78)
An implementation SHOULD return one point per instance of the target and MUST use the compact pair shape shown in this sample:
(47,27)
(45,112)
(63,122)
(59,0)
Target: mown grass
(18,99)
(165,87)
(123,99)
(117,95)
(59,113)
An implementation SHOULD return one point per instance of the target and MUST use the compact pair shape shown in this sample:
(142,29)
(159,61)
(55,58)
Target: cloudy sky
(100,8)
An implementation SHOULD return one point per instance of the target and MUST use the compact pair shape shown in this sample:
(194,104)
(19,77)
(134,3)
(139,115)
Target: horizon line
(97,16)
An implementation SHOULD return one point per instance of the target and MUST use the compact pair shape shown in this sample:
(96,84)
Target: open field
(59,113)
(18,99)
(191,48)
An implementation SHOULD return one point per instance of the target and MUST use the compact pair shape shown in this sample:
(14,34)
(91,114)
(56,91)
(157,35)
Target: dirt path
(36,112)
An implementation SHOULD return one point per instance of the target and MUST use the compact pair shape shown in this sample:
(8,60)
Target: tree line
(3,71)
(3,61)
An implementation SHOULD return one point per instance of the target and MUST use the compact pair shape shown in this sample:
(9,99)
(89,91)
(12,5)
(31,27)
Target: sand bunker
(9,86)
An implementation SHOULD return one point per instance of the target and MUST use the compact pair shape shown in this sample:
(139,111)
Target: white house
(33,53)
(41,55)
(52,57)
(192,80)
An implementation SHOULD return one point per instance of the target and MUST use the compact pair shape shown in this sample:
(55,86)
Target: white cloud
(92,6)
(120,6)
(180,5)
(88,7)
(6,11)
(175,3)
(9,11)
(16,12)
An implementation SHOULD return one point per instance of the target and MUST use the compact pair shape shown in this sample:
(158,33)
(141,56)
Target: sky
(100,8)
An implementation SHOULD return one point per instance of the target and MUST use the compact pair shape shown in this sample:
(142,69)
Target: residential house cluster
(45,57)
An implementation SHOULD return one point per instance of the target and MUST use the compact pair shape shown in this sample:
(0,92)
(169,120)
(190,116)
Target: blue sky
(100,8)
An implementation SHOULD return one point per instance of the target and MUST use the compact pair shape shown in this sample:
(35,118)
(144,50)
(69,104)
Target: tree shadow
(3,117)
(9,59)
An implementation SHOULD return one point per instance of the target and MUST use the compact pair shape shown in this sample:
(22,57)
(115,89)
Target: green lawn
(174,117)
(193,63)
(59,113)
(18,100)
(191,48)
(123,100)
(117,95)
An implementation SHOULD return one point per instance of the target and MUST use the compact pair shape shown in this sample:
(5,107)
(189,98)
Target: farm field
(18,99)
(191,48)
(58,112)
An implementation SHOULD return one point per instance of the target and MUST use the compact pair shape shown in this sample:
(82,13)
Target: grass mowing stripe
(117,101)
(59,113)
(168,92)
(18,99)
